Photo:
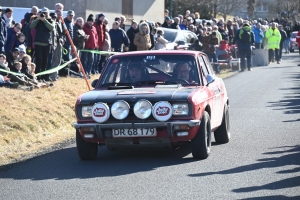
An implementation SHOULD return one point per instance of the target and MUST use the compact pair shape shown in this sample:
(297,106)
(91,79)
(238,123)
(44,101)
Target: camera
(42,15)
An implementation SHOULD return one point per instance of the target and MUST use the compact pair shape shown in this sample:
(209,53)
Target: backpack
(246,36)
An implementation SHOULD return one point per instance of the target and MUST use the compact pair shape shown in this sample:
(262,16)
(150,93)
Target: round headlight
(120,110)
(142,109)
(100,112)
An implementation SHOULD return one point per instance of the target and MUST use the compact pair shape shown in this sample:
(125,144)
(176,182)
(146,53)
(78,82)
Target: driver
(183,72)
(137,72)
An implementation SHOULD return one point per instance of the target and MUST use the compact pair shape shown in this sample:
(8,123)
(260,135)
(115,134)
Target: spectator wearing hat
(90,44)
(142,39)
(245,45)
(100,27)
(44,25)
(3,32)
(166,22)
(131,32)
(12,57)
(12,34)
(8,17)
(69,22)
(118,38)
(22,51)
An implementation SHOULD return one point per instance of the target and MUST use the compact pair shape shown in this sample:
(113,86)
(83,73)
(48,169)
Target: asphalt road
(262,160)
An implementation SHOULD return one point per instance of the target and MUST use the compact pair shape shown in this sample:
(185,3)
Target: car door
(215,89)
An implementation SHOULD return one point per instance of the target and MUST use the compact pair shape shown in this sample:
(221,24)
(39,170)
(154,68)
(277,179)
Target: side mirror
(94,83)
(210,79)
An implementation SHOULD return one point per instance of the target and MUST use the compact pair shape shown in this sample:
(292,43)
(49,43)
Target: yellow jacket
(274,38)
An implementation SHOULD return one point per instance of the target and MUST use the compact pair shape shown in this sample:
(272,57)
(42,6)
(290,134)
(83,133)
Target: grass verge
(32,121)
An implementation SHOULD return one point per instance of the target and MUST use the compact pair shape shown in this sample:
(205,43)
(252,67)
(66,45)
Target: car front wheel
(201,143)
(86,150)
(222,134)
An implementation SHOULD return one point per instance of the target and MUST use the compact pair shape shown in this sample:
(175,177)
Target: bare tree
(226,7)
(251,8)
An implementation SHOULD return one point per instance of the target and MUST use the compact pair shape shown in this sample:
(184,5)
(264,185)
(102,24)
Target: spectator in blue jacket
(69,24)
(259,35)
(3,32)
(244,47)
(118,38)
(12,37)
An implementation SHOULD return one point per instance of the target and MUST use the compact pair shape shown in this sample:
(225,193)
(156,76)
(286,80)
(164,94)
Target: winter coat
(118,38)
(244,45)
(78,37)
(283,36)
(3,32)
(131,34)
(273,40)
(11,39)
(258,34)
(175,26)
(43,31)
(142,40)
(182,27)
(223,33)
(92,42)
(70,27)
(161,43)
(209,44)
(100,27)
(107,43)
(224,46)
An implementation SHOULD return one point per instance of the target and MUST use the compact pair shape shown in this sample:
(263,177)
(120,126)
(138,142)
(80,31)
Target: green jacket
(274,38)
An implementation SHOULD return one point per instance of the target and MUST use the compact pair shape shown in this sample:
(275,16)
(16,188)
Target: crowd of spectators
(39,42)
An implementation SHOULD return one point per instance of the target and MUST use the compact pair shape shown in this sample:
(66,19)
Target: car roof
(161,52)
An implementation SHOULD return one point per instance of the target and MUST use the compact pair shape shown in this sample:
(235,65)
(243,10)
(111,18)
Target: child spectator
(17,67)
(3,64)
(22,51)
(20,40)
(12,37)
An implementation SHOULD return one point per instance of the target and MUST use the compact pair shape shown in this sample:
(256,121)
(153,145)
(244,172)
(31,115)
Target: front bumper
(169,125)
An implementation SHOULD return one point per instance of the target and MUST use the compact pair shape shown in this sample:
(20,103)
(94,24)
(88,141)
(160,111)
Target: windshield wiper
(115,84)
(144,82)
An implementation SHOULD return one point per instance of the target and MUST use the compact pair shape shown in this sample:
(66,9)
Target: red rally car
(153,98)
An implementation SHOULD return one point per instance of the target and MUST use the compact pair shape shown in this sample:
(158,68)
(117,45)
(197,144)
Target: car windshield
(169,35)
(151,69)
(294,35)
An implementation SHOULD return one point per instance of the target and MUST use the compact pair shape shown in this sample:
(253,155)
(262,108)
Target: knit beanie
(90,18)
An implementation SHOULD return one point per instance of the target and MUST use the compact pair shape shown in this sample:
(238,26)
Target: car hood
(159,93)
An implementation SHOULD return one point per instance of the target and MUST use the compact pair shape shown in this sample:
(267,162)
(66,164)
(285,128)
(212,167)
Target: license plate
(134,132)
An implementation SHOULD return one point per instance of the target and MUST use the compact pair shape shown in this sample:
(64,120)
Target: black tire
(292,50)
(86,150)
(222,134)
(201,143)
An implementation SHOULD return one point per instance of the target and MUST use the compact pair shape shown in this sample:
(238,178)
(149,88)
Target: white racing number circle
(162,111)
(100,112)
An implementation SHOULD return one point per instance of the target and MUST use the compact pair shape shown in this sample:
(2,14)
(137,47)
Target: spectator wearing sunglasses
(3,32)
(12,34)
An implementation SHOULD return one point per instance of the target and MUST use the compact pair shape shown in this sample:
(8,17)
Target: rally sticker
(162,111)
(100,112)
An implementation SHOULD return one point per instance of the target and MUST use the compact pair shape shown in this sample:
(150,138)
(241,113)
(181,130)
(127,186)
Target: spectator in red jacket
(100,27)
(224,48)
(90,44)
